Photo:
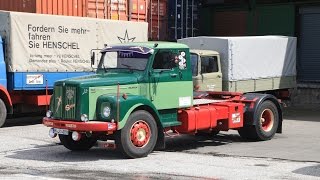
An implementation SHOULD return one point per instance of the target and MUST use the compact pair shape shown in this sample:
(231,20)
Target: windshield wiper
(128,66)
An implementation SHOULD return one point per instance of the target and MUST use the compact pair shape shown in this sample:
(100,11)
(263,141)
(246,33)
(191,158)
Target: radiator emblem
(69,106)
(70,94)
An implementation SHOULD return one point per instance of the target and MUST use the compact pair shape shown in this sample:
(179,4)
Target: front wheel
(266,123)
(139,136)
(3,113)
(85,143)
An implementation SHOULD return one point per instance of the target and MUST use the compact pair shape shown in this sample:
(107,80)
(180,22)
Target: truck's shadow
(189,142)
(58,153)
(25,120)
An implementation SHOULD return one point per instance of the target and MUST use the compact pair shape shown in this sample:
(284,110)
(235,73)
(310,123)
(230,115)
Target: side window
(194,64)
(164,60)
(209,64)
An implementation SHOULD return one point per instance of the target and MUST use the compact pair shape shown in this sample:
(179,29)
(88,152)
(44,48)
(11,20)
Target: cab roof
(152,45)
(203,52)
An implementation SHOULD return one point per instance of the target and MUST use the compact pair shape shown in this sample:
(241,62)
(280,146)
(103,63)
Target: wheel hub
(140,133)
(267,120)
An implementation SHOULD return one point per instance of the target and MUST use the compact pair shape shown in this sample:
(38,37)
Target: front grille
(65,102)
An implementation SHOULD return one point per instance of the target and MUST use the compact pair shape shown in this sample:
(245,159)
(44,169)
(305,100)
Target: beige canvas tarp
(47,43)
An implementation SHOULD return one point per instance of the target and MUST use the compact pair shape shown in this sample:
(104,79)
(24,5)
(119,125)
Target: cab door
(207,76)
(170,79)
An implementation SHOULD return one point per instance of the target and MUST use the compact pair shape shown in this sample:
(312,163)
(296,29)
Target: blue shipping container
(183,18)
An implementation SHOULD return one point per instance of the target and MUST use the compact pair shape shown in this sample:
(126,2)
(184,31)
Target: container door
(183,18)
(170,85)
(158,20)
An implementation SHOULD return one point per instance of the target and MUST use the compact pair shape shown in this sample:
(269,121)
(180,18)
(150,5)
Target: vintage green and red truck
(140,92)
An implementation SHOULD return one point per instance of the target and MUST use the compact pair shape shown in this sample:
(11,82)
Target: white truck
(244,64)
(37,50)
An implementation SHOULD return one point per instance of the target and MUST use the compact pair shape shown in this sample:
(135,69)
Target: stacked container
(183,18)
(158,20)
(152,11)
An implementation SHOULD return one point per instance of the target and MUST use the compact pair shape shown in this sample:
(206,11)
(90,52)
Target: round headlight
(49,114)
(106,111)
(84,117)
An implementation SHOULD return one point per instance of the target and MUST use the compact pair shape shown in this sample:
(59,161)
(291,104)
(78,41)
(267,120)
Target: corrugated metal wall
(309,48)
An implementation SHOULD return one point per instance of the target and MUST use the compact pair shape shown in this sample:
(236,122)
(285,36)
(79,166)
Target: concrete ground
(26,152)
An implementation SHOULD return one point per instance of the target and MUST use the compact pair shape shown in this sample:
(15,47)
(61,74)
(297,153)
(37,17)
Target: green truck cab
(142,90)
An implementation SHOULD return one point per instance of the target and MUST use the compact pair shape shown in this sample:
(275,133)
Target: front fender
(250,108)
(126,107)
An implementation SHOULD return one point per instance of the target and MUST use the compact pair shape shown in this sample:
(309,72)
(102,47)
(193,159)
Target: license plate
(61,131)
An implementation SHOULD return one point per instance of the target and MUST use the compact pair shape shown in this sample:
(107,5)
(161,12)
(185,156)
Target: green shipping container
(274,20)
(240,21)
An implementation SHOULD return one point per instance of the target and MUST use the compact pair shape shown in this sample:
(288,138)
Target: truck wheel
(266,120)
(83,144)
(3,113)
(139,136)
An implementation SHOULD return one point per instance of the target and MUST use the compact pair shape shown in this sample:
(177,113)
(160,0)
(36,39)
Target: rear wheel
(3,113)
(139,136)
(266,123)
(85,143)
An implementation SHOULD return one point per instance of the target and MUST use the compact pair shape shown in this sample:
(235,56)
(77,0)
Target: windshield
(123,60)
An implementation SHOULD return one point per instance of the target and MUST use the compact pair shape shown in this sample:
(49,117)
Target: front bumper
(94,126)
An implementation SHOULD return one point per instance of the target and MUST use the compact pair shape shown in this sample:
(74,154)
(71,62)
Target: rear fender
(250,108)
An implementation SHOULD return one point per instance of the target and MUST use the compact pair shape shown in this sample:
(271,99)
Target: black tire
(84,144)
(266,112)
(126,143)
(3,113)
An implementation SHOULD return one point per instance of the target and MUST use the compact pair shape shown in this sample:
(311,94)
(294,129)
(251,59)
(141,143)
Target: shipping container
(103,9)
(138,10)
(230,23)
(158,20)
(183,18)
(275,20)
(242,21)
(152,11)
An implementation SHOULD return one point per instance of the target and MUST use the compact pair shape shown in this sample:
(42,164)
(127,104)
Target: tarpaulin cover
(48,43)
(252,57)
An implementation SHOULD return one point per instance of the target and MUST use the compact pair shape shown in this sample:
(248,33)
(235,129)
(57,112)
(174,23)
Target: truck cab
(3,77)
(5,101)
(143,90)
(206,70)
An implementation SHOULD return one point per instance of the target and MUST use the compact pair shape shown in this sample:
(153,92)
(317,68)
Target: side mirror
(93,57)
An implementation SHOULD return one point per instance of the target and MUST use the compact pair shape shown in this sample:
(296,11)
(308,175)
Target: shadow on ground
(302,113)
(310,171)
(58,153)
(23,121)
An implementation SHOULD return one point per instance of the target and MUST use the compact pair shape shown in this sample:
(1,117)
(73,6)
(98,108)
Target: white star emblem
(126,38)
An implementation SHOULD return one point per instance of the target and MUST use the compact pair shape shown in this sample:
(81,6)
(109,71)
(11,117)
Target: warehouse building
(299,18)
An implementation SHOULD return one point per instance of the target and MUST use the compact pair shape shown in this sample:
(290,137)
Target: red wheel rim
(267,120)
(140,133)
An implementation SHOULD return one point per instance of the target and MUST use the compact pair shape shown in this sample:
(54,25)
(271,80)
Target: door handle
(219,76)
(173,75)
